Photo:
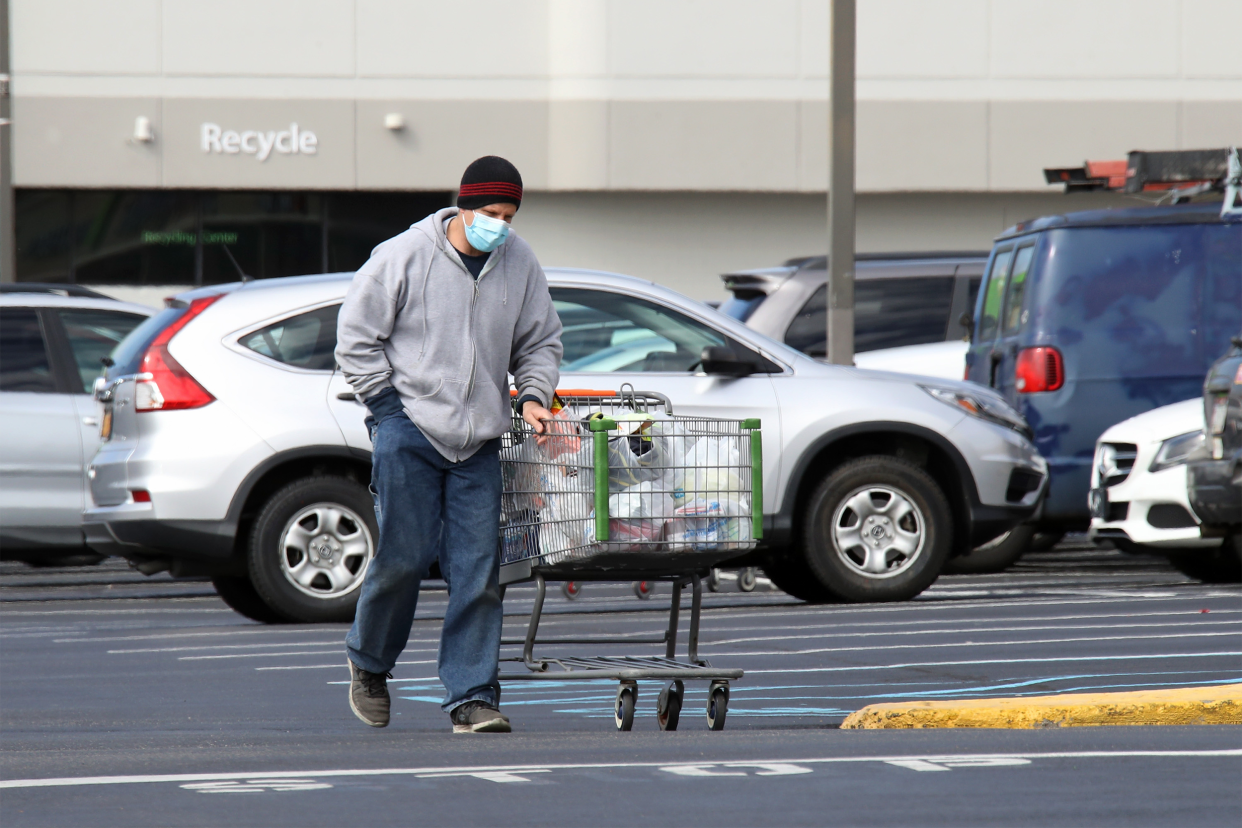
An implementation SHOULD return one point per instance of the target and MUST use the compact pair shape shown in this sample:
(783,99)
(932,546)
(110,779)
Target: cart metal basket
(619,488)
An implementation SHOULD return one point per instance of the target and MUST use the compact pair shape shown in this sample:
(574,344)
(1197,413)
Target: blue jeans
(421,497)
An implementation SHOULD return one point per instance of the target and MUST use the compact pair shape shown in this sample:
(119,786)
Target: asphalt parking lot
(130,701)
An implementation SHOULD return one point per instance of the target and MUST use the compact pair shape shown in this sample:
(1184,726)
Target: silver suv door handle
(89,421)
(347,395)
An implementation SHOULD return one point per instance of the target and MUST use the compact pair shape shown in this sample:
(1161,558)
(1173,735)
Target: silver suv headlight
(1176,450)
(984,406)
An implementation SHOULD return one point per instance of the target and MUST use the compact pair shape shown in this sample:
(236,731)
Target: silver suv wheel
(878,531)
(325,550)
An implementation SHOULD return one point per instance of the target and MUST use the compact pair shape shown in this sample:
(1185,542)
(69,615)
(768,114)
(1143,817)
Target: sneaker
(479,717)
(368,695)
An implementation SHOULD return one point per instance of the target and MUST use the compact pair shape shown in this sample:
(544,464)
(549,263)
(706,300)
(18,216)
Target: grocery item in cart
(709,469)
(643,452)
(710,524)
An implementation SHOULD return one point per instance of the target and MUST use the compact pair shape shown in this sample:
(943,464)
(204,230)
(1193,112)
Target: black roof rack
(77,291)
(1180,174)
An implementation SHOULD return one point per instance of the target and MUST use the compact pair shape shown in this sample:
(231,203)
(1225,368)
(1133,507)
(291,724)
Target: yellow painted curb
(1221,704)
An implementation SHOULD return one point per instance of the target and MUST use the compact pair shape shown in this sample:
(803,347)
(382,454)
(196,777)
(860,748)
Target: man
(431,327)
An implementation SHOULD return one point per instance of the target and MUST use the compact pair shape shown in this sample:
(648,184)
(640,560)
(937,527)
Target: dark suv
(1214,480)
(1086,319)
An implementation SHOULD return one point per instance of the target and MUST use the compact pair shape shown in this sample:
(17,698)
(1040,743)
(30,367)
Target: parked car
(1214,473)
(1138,496)
(908,308)
(52,338)
(240,452)
(1086,319)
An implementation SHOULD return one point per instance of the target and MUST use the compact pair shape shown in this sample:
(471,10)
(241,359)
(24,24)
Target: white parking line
(268,644)
(926,645)
(263,655)
(1052,660)
(976,628)
(977,760)
(340,665)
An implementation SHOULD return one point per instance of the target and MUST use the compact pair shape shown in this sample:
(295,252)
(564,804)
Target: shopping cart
(618,488)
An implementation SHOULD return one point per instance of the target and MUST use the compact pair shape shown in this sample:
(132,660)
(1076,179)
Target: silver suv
(238,451)
(52,338)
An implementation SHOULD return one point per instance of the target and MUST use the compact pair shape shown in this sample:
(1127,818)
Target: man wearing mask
(432,325)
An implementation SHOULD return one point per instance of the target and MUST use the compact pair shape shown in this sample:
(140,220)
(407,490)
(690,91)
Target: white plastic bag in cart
(534,473)
(708,471)
(636,518)
(643,452)
(710,524)
(643,501)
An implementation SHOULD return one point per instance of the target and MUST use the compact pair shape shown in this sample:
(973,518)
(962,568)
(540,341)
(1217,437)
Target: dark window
(740,308)
(93,335)
(994,294)
(1017,290)
(269,234)
(307,340)
(24,364)
(888,313)
(126,237)
(605,332)
(43,235)
(185,237)
(357,222)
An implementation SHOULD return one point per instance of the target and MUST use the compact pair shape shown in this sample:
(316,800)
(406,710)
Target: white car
(237,450)
(52,338)
(1138,480)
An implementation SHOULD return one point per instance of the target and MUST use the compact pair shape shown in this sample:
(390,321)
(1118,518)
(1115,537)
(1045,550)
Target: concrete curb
(1220,704)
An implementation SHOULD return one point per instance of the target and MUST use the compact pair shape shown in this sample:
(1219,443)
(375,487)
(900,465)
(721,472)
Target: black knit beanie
(490,180)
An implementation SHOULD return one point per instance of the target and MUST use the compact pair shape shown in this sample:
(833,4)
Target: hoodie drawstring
(422,348)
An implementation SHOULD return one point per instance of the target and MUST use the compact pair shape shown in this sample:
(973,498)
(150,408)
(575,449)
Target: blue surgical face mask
(486,233)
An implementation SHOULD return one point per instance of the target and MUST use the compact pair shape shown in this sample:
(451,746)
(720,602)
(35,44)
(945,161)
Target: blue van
(1087,319)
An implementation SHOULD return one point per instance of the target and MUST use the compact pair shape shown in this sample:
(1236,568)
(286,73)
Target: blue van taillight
(1038,369)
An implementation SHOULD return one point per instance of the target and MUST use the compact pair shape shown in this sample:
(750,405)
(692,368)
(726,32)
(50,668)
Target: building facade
(176,142)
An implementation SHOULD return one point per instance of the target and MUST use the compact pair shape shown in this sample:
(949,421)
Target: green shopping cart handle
(600,427)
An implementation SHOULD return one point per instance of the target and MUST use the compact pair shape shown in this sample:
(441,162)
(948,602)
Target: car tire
(310,546)
(242,598)
(888,501)
(1222,565)
(996,555)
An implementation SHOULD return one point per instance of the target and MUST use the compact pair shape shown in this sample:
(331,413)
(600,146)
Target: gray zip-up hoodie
(416,320)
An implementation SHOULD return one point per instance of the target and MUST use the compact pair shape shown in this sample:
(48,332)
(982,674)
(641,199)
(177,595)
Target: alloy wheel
(325,550)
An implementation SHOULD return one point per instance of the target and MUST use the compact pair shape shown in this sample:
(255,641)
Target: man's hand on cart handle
(535,414)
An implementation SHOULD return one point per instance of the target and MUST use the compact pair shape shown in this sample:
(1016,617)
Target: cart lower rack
(616,489)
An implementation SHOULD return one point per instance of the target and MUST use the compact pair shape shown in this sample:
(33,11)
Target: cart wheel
(713,580)
(668,707)
(717,705)
(643,589)
(571,590)
(746,579)
(627,696)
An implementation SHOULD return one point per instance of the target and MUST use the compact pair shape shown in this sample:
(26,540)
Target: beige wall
(699,145)
(725,95)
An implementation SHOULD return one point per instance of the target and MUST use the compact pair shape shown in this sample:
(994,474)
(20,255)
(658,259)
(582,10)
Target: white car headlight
(1175,450)
(984,406)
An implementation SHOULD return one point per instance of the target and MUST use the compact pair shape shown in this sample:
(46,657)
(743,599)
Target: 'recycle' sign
(215,140)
